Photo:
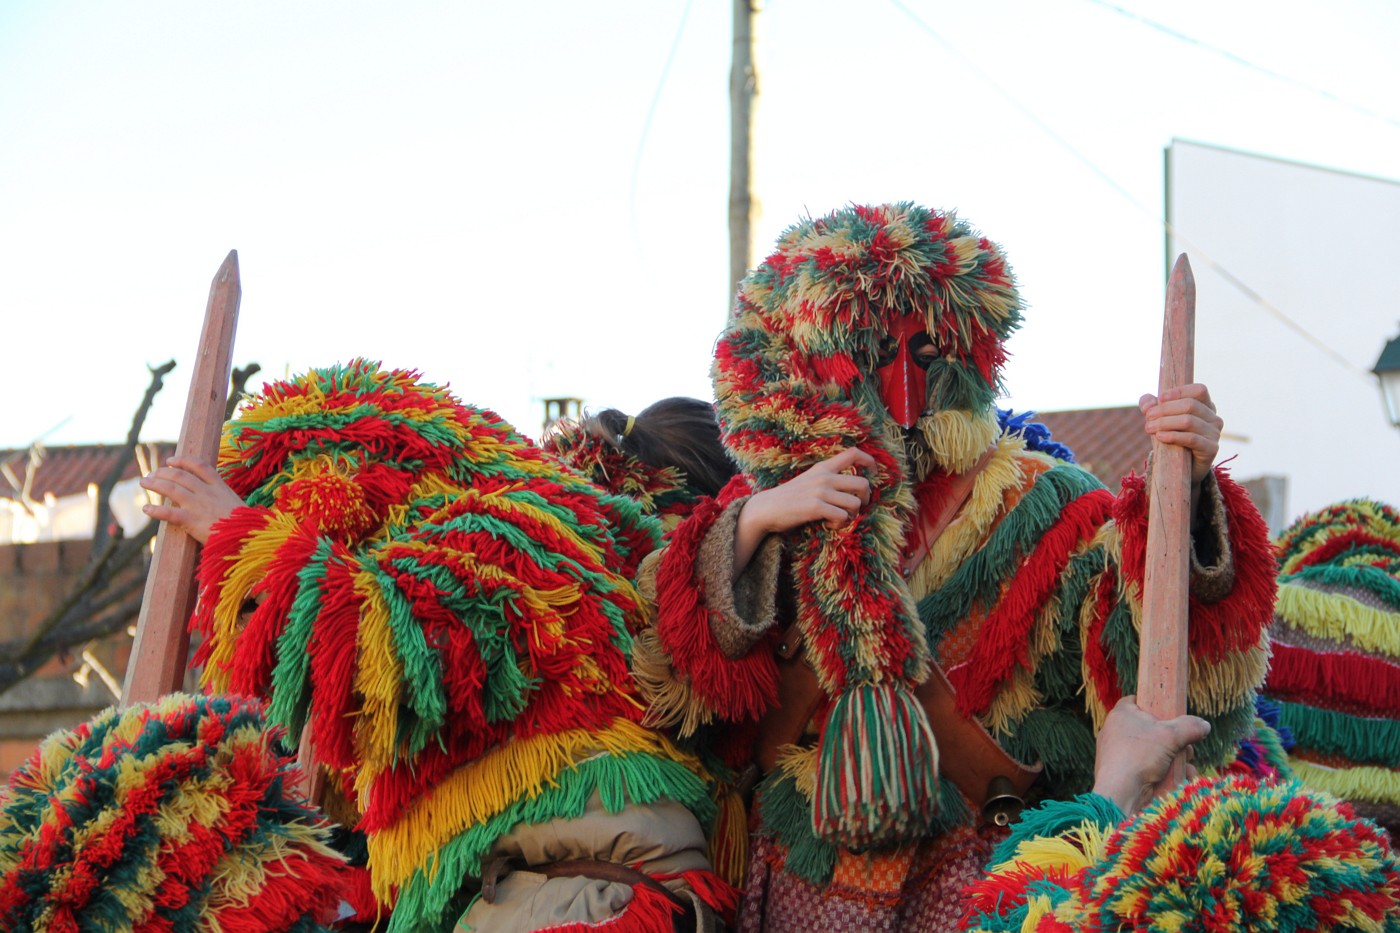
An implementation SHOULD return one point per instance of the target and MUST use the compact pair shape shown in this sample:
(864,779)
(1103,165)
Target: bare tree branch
(239,387)
(104,490)
(104,599)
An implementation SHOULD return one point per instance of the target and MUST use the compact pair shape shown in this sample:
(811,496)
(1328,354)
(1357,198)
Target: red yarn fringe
(732,689)
(649,911)
(1004,641)
(1331,680)
(1235,623)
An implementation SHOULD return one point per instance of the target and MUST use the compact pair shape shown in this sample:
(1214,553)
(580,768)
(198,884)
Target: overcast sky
(530,199)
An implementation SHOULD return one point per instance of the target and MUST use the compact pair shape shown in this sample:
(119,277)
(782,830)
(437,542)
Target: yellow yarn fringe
(1073,850)
(959,438)
(378,678)
(1094,702)
(1012,702)
(800,764)
(1363,782)
(1215,687)
(1337,618)
(483,788)
(729,841)
(244,572)
(1004,477)
(670,702)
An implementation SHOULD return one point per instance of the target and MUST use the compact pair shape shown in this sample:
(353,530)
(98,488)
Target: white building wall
(1322,247)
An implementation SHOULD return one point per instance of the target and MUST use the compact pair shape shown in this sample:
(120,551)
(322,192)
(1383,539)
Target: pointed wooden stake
(1163,663)
(158,655)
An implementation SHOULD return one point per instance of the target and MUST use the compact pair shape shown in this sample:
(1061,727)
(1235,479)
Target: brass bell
(1003,803)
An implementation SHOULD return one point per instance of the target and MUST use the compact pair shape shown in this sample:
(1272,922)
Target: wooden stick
(158,655)
(1163,663)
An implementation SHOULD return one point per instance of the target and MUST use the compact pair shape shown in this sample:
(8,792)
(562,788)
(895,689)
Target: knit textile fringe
(1223,854)
(854,611)
(1334,617)
(877,769)
(179,814)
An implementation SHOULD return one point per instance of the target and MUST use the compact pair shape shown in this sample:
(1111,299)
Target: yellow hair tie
(628,430)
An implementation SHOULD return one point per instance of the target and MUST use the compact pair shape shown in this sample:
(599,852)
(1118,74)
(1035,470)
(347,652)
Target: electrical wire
(651,112)
(1246,63)
(1157,218)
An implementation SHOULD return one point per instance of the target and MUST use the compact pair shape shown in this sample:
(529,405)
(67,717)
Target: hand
(197,496)
(1136,749)
(1185,417)
(832,491)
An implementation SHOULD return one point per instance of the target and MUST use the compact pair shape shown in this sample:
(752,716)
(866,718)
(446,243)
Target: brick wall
(33,581)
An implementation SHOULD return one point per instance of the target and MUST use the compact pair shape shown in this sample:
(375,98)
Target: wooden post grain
(1163,663)
(158,655)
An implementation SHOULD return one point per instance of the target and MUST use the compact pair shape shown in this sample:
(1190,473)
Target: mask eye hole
(923,349)
(886,349)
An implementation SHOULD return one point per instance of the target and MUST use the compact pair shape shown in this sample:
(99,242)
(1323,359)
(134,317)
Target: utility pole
(743,100)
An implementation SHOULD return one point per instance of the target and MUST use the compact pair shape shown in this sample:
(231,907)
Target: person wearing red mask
(903,620)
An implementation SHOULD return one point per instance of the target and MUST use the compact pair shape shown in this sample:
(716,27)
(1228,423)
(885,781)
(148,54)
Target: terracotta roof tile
(66,471)
(1108,442)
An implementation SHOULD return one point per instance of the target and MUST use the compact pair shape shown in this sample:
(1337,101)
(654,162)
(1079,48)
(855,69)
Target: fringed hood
(795,384)
(660,491)
(446,607)
(176,815)
(1218,854)
(1335,671)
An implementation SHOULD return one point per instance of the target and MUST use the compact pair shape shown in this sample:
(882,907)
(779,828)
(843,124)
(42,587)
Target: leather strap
(597,869)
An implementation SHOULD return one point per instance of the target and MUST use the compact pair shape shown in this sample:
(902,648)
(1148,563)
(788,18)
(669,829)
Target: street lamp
(1387,371)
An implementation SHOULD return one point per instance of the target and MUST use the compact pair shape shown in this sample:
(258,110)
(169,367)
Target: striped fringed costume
(1335,674)
(1029,599)
(660,491)
(446,610)
(178,815)
(1216,856)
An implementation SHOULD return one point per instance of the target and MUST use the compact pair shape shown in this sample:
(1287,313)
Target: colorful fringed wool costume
(1335,674)
(176,815)
(447,611)
(1215,856)
(1029,599)
(660,491)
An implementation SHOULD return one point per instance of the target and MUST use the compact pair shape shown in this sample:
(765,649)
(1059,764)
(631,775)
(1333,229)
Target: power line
(1246,63)
(651,112)
(1196,250)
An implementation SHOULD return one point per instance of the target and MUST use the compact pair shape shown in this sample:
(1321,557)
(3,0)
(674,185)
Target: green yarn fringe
(1361,739)
(876,768)
(424,903)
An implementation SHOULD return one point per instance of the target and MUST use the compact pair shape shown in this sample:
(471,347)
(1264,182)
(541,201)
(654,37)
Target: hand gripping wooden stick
(1162,665)
(158,655)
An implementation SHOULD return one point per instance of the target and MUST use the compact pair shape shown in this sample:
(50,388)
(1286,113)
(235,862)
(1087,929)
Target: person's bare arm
(825,492)
(196,496)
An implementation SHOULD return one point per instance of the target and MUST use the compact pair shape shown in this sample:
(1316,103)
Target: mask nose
(903,381)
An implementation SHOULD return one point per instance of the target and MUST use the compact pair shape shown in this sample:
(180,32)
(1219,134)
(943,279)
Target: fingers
(197,466)
(1185,417)
(182,479)
(1192,397)
(845,460)
(1187,730)
(848,504)
(1194,391)
(166,513)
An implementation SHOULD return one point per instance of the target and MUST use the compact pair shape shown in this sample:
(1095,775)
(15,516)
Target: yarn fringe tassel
(877,769)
